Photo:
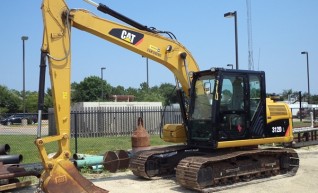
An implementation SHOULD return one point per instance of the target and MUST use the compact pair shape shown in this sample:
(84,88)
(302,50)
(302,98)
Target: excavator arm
(59,173)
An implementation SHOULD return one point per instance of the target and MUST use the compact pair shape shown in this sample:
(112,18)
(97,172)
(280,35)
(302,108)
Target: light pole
(147,69)
(230,65)
(307,75)
(228,15)
(23,38)
(101,76)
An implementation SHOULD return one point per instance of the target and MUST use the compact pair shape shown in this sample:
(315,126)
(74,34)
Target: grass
(24,145)
(303,124)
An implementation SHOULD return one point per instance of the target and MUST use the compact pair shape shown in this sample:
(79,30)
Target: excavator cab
(229,116)
(226,108)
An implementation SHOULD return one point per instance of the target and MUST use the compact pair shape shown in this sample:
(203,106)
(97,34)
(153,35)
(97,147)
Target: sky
(281,30)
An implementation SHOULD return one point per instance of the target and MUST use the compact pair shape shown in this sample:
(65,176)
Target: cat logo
(129,36)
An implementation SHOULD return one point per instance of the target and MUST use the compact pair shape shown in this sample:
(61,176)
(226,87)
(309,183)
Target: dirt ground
(304,181)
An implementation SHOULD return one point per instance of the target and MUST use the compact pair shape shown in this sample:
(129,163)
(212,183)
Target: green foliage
(10,101)
(31,102)
(289,93)
(90,89)
(119,90)
(132,91)
(48,100)
(165,93)
(314,99)
(169,93)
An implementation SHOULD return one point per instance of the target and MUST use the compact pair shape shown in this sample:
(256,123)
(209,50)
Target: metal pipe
(4,149)
(89,161)
(78,156)
(11,159)
(97,167)
(13,171)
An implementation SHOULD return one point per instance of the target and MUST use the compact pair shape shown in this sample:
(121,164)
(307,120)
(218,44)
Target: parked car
(17,119)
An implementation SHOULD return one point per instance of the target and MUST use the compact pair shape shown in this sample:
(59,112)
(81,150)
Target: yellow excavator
(226,114)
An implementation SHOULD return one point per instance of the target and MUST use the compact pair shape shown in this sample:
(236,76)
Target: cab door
(233,107)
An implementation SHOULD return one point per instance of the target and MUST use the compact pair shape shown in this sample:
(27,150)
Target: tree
(48,100)
(165,93)
(287,93)
(314,99)
(169,93)
(132,91)
(119,90)
(31,102)
(90,89)
(144,93)
(9,100)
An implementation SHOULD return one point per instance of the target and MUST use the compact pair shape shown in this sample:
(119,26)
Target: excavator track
(206,171)
(159,162)
(209,172)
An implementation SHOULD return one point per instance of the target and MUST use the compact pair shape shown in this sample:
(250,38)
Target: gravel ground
(304,181)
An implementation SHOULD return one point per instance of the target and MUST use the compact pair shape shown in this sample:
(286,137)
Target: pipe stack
(6,158)
(10,170)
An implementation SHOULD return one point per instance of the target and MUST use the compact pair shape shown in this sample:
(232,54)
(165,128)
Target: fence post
(75,130)
(314,114)
(52,125)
